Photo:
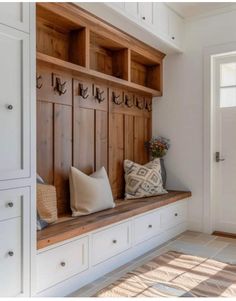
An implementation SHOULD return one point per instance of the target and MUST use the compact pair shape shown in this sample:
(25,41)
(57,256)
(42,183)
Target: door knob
(218,159)
(11,253)
(10,107)
(10,204)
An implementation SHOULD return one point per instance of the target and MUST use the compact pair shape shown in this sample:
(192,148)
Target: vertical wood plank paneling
(101,130)
(62,155)
(129,137)
(116,153)
(139,139)
(45,141)
(84,139)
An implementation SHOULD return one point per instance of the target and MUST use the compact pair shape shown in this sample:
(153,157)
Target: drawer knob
(11,253)
(63,263)
(10,107)
(149,226)
(176,214)
(143,18)
(114,241)
(10,204)
(172,38)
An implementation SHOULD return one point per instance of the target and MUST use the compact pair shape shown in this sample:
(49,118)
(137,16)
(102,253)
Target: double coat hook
(83,92)
(128,101)
(60,87)
(39,83)
(99,96)
(140,103)
(115,99)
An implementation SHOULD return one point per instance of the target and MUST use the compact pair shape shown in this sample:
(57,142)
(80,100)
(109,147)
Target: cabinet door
(119,5)
(14,104)
(15,14)
(145,12)
(14,243)
(161,15)
(132,8)
(175,28)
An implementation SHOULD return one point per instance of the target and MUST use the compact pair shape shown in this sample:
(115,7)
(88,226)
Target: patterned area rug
(175,274)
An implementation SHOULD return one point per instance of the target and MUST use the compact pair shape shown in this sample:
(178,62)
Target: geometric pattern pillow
(143,180)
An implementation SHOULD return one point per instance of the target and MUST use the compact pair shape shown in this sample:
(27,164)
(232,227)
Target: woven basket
(47,202)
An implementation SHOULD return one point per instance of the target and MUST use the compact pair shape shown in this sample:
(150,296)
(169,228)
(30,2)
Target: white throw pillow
(89,194)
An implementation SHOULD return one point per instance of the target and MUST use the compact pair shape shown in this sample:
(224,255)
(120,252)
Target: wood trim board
(124,209)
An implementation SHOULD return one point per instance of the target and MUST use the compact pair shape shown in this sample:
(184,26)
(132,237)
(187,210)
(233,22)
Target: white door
(224,137)
(14,104)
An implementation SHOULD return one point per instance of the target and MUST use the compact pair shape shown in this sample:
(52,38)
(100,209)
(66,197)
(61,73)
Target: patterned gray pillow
(143,180)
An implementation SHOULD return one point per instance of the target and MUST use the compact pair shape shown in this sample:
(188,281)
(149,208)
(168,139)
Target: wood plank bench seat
(70,227)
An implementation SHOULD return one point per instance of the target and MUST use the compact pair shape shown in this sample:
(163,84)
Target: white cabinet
(110,242)
(161,19)
(14,104)
(61,263)
(145,10)
(14,206)
(131,8)
(175,28)
(15,14)
(168,24)
(147,226)
(173,215)
(10,258)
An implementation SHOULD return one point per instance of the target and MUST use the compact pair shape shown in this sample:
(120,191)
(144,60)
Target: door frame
(209,54)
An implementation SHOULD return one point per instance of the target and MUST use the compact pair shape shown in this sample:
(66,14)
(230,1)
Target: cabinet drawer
(10,205)
(60,263)
(173,215)
(10,258)
(147,226)
(110,242)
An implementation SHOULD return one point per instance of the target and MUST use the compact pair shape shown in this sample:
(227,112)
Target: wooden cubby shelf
(80,70)
(145,71)
(80,43)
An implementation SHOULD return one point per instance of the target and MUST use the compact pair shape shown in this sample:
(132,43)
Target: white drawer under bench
(65,266)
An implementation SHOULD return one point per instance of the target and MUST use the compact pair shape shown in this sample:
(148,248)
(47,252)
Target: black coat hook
(115,99)
(83,92)
(128,101)
(148,106)
(60,88)
(39,84)
(140,103)
(98,95)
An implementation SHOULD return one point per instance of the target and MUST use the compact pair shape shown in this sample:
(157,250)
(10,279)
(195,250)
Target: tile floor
(189,242)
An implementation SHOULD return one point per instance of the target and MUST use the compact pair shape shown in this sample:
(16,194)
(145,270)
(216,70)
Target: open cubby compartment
(145,72)
(107,56)
(60,38)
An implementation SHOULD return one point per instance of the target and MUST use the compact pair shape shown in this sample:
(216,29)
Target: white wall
(178,114)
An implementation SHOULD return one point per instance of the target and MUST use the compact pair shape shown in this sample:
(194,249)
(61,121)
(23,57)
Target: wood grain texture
(140,153)
(62,155)
(101,139)
(73,227)
(116,154)
(129,137)
(45,164)
(84,143)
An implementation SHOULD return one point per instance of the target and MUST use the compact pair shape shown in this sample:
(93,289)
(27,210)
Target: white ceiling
(194,9)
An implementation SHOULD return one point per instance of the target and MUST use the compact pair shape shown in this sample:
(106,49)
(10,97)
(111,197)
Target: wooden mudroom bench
(69,227)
